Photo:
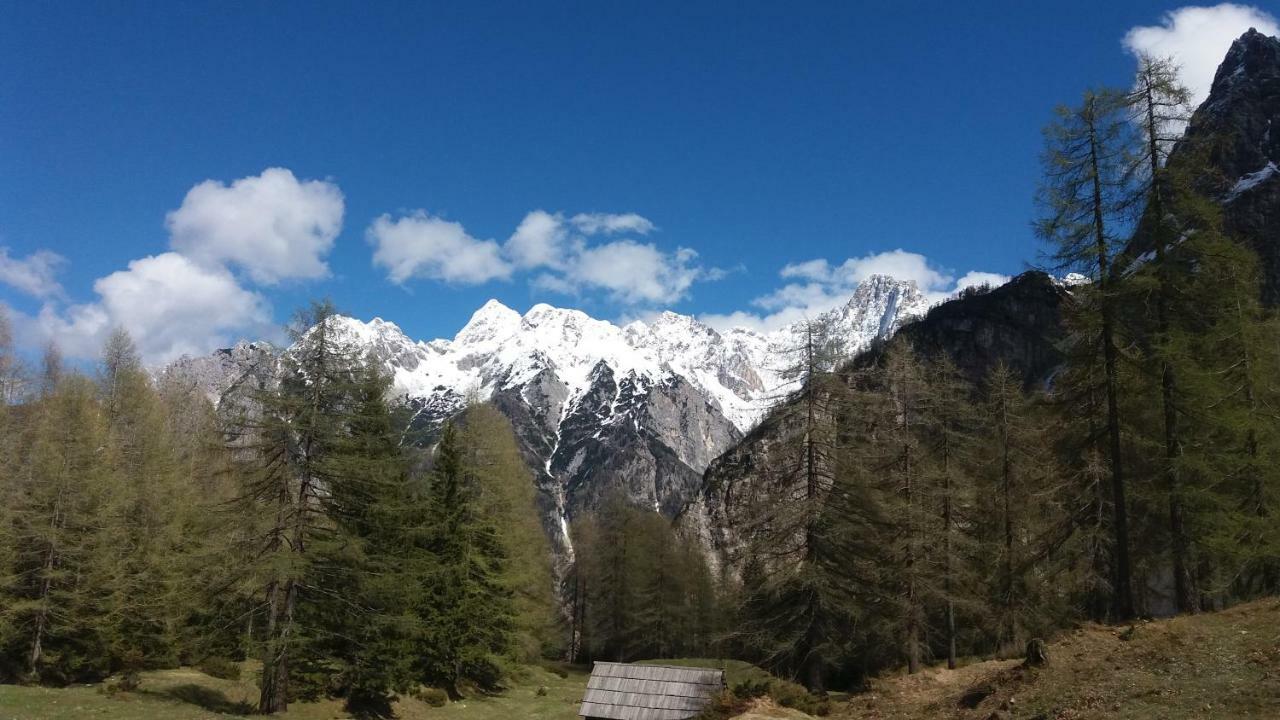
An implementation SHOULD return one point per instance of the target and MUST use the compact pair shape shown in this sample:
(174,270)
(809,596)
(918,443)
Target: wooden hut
(620,691)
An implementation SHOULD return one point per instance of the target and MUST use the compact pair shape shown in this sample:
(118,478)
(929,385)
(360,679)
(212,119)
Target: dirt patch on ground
(767,709)
(1223,664)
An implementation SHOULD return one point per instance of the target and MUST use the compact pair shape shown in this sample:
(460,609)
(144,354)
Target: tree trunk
(913,628)
(1006,491)
(1122,593)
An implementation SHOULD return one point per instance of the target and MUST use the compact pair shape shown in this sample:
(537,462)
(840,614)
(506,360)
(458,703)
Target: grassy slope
(1221,665)
(186,694)
(1218,665)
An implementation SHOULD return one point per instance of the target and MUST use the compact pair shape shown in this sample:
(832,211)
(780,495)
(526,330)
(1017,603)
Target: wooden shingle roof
(619,691)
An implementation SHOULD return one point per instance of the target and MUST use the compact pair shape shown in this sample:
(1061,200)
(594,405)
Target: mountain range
(598,408)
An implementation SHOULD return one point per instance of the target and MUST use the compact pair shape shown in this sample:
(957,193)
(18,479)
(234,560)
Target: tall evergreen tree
(796,609)
(472,622)
(1158,106)
(1084,195)
(506,496)
(53,608)
(137,565)
(288,471)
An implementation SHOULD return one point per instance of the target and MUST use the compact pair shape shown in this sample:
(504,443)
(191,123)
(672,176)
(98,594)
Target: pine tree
(1158,105)
(797,609)
(9,488)
(1085,191)
(374,566)
(471,625)
(137,564)
(287,472)
(948,433)
(1033,514)
(507,498)
(53,608)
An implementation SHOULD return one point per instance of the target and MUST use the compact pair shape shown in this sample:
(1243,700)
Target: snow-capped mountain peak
(736,371)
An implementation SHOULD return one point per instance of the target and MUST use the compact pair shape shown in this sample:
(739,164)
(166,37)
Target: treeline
(141,530)
(638,591)
(909,515)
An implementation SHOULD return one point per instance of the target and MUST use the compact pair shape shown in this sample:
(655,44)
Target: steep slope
(1237,130)
(598,409)
(1212,665)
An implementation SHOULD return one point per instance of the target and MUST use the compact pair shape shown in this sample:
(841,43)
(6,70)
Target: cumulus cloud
(1197,38)
(540,240)
(817,286)
(271,225)
(628,271)
(420,245)
(171,306)
(35,274)
(567,250)
(636,273)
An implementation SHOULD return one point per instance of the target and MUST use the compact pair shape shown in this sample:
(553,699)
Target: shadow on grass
(207,698)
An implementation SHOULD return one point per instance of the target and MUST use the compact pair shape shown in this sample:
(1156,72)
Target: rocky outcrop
(1237,130)
(1018,324)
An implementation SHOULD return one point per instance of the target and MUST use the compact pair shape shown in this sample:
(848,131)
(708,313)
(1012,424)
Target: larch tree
(1158,106)
(286,470)
(507,497)
(1084,196)
(53,608)
(795,607)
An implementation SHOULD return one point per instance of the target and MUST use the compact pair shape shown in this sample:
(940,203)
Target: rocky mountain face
(1238,130)
(1019,324)
(640,409)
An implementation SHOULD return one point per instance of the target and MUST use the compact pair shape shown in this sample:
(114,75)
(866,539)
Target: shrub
(786,694)
(722,706)
(435,697)
(220,667)
(796,697)
(749,689)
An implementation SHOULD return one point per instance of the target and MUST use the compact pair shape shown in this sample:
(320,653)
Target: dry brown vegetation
(1217,665)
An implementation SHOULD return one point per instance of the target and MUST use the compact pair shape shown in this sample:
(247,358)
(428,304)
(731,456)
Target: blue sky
(194,171)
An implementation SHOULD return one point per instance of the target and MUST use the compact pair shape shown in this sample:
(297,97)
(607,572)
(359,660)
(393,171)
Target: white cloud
(609,224)
(419,245)
(540,240)
(169,304)
(271,225)
(977,279)
(34,275)
(627,271)
(634,273)
(821,286)
(1197,38)
(630,272)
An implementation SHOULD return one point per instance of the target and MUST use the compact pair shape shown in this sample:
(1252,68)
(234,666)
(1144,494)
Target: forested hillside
(142,531)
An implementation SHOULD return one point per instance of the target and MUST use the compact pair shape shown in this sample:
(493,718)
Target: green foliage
(471,609)
(220,667)
(640,592)
(505,496)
